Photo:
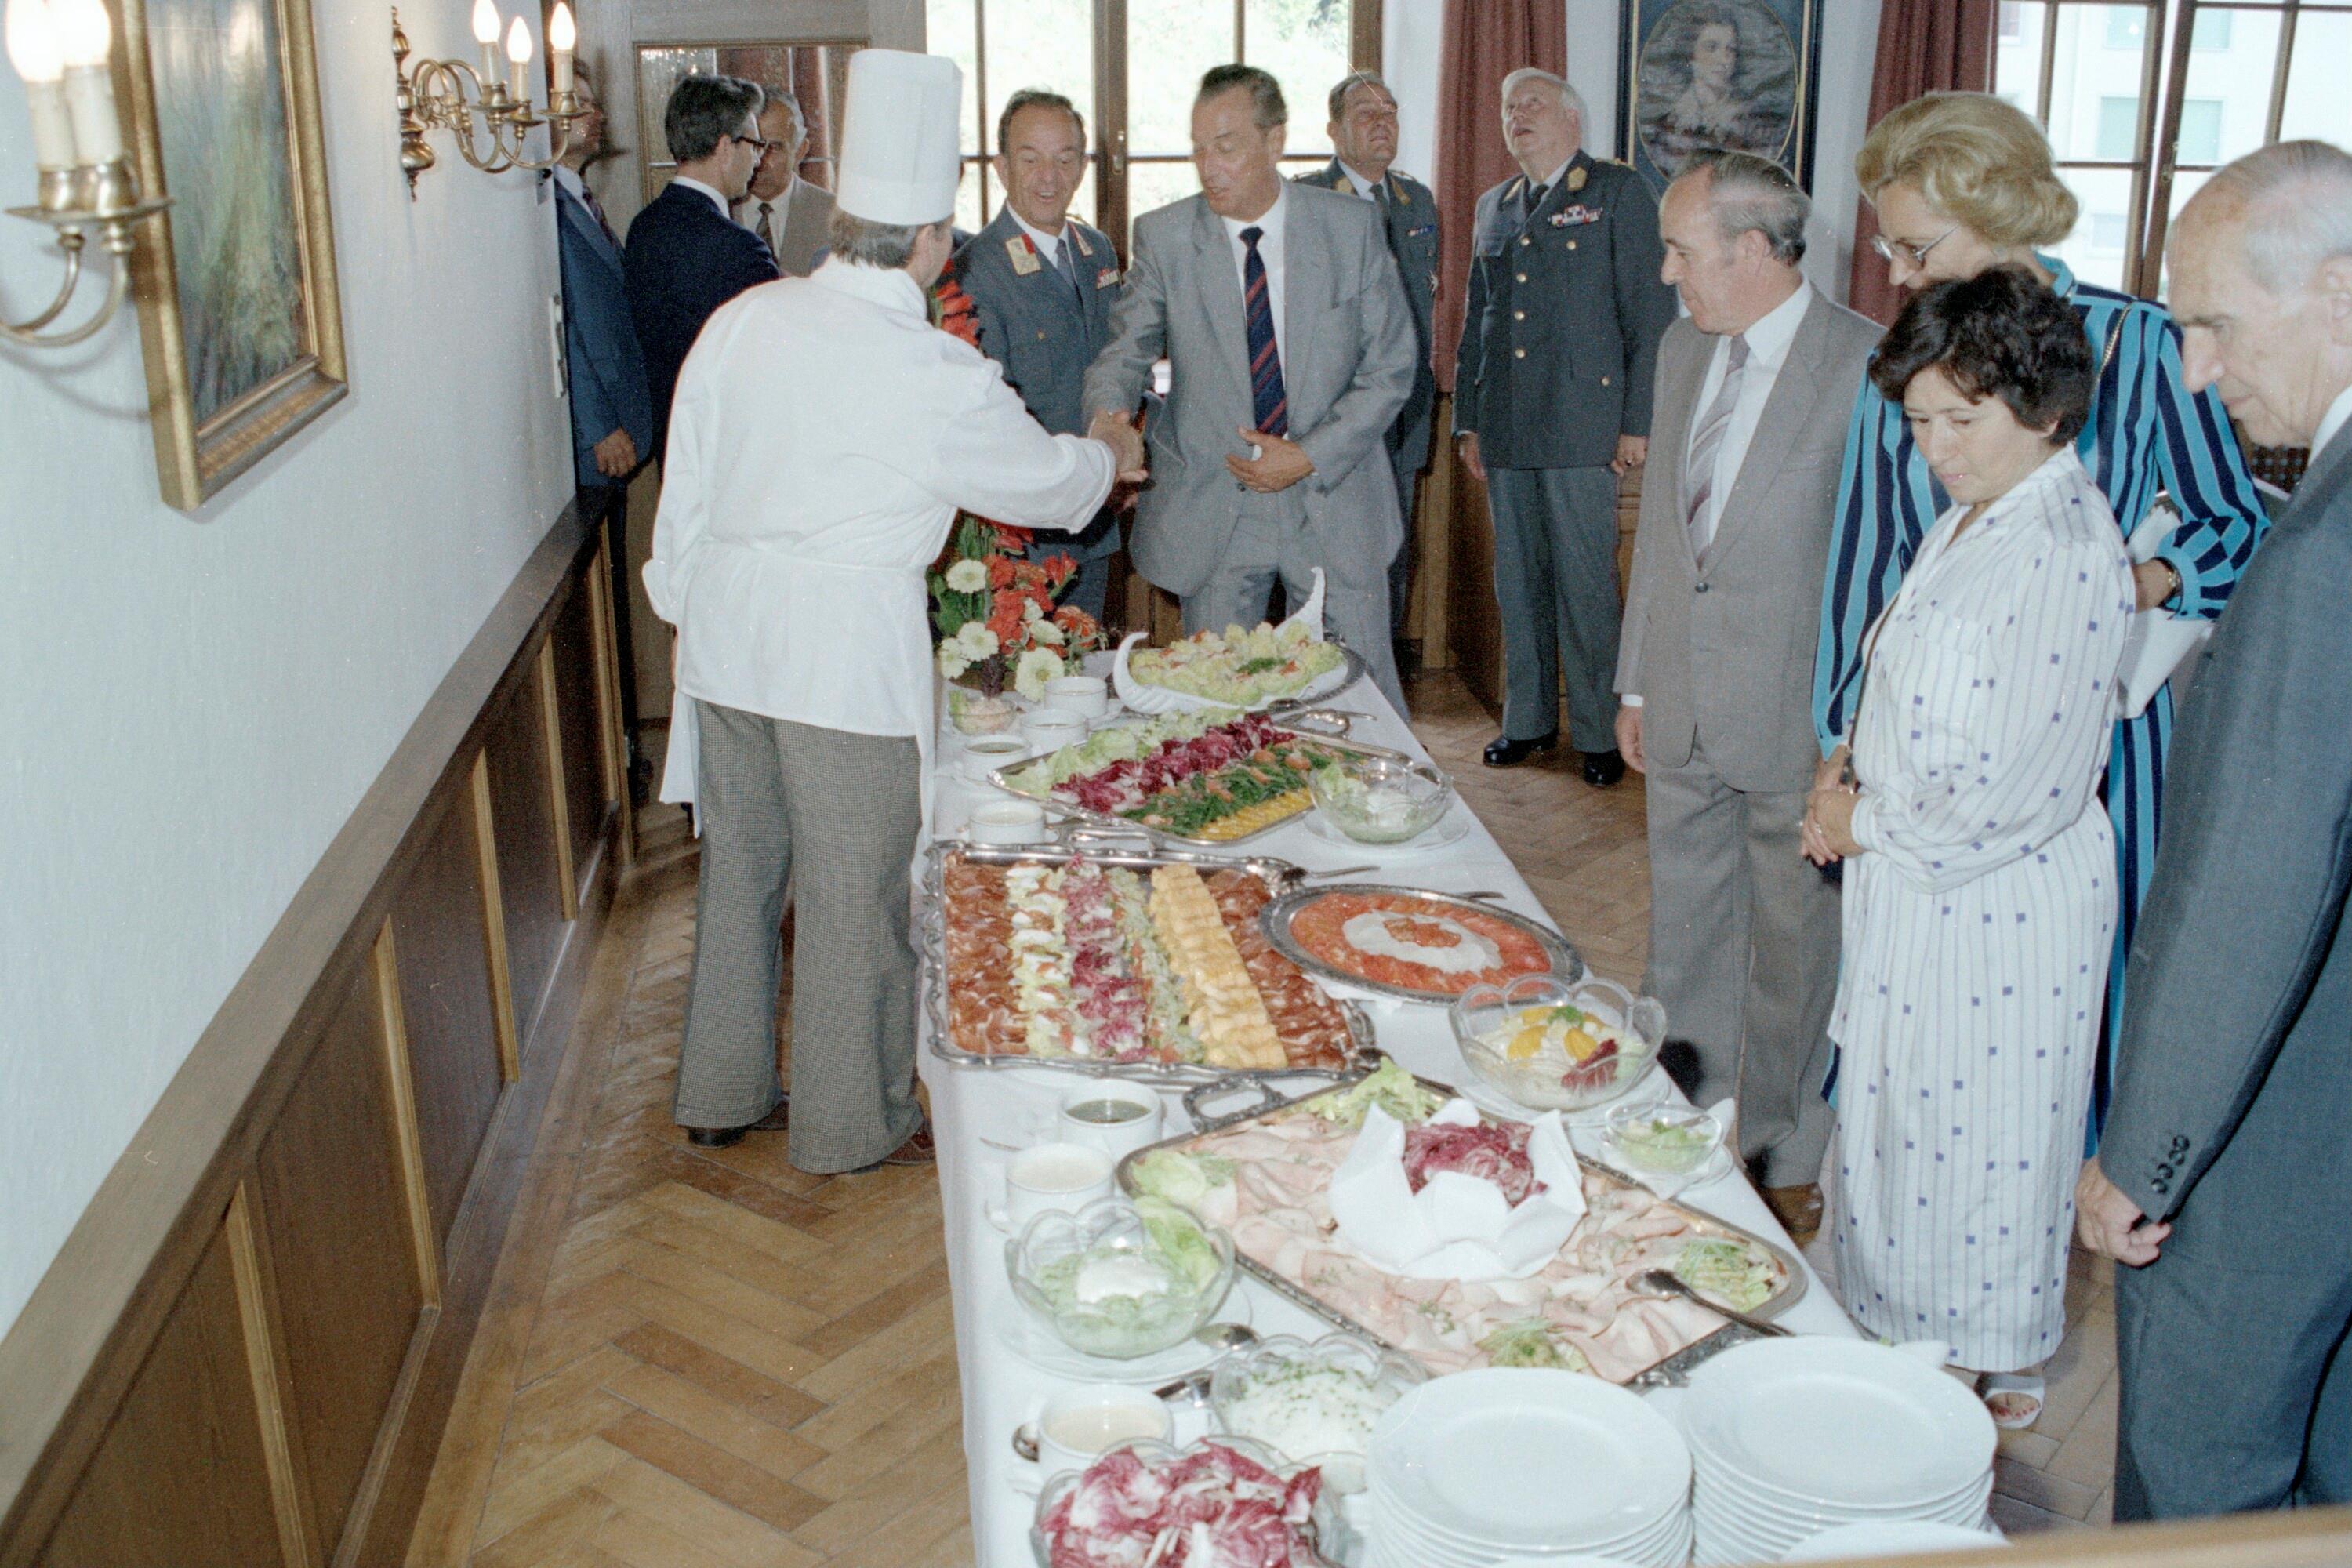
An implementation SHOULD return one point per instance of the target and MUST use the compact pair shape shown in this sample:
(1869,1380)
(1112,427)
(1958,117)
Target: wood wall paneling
(522,813)
(571,646)
(180,1480)
(448,1007)
(337,1227)
(494,918)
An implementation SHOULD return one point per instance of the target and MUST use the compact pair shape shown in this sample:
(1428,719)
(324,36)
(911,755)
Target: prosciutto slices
(1211,1506)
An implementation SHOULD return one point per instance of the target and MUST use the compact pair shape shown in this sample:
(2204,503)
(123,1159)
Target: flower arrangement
(993,614)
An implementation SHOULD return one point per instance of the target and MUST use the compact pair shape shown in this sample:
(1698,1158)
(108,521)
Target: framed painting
(240,316)
(1736,74)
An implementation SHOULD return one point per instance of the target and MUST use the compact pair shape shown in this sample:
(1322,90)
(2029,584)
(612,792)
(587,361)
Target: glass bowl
(1380,799)
(1374,1377)
(1108,1285)
(1555,1045)
(1323,1540)
(1663,1140)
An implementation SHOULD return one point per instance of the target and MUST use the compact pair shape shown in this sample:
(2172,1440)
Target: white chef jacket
(823,436)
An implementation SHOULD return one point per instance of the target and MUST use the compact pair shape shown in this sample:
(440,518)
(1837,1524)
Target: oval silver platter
(1276,917)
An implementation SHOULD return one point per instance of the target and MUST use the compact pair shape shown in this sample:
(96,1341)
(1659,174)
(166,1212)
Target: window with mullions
(2137,122)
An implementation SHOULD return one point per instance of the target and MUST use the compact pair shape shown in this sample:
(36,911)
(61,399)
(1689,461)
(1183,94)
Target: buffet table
(980,1114)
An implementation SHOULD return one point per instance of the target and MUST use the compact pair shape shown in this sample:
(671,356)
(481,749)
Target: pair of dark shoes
(776,1121)
(1602,769)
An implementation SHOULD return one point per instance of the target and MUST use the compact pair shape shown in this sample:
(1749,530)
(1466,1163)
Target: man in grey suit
(1551,401)
(789,215)
(1290,347)
(2223,1177)
(1714,670)
(1364,136)
(1043,285)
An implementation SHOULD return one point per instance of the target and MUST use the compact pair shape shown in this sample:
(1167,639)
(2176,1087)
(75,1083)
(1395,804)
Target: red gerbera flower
(999,571)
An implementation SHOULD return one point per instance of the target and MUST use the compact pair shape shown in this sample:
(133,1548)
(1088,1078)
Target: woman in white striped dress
(1981,903)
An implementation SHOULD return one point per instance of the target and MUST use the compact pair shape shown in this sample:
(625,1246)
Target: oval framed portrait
(1731,74)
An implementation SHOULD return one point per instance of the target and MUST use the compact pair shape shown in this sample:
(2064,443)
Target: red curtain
(1924,46)
(1485,41)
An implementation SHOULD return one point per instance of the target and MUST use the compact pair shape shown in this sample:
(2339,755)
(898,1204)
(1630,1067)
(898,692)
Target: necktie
(1268,401)
(1536,194)
(597,211)
(766,228)
(1069,270)
(1707,440)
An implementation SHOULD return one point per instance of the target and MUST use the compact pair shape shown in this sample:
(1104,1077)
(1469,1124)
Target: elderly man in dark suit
(1045,284)
(611,414)
(1364,132)
(1551,399)
(1290,350)
(686,255)
(2223,1177)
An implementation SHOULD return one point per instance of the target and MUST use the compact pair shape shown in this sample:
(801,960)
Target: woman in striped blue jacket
(1962,181)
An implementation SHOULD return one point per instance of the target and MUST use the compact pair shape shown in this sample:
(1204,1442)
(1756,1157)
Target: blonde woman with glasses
(1962,181)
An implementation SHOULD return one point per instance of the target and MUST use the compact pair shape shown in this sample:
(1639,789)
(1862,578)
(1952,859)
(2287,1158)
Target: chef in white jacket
(824,438)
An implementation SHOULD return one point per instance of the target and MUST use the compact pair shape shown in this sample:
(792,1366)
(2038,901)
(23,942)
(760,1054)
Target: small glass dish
(1554,1045)
(1662,1140)
(1364,1374)
(1075,1272)
(1380,799)
(1322,1541)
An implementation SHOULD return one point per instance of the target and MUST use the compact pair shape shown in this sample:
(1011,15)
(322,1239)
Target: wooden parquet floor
(710,1360)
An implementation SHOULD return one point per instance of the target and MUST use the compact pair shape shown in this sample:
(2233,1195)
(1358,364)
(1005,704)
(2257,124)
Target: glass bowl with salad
(1381,800)
(1555,1045)
(1122,1277)
(1662,1140)
(1314,1402)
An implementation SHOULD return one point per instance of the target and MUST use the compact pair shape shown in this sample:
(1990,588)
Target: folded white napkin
(2158,640)
(1456,1226)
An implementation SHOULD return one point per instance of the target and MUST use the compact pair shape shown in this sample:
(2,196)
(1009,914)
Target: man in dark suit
(612,414)
(686,255)
(2223,1177)
(1364,132)
(1551,401)
(1045,285)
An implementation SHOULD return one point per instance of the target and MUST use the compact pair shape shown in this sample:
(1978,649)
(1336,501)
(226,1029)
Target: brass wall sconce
(62,49)
(434,96)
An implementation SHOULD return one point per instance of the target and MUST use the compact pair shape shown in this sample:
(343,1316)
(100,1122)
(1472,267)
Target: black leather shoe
(776,1121)
(1602,769)
(1502,752)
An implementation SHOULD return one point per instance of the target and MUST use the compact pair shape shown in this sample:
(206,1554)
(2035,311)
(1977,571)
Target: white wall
(193,705)
(1848,48)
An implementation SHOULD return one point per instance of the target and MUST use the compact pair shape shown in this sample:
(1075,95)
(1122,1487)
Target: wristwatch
(2172,598)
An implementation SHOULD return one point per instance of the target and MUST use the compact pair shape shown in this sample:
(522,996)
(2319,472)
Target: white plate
(1450,829)
(1730,1490)
(1839,1421)
(1514,1458)
(1892,1539)
(1020,1331)
(1665,1540)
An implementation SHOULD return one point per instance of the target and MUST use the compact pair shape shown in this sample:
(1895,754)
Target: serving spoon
(1659,1284)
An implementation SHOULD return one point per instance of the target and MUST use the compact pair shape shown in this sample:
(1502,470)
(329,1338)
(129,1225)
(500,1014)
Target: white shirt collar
(778,204)
(1551,182)
(1364,187)
(892,287)
(716,199)
(1269,222)
(1048,245)
(569,178)
(1776,329)
(2332,423)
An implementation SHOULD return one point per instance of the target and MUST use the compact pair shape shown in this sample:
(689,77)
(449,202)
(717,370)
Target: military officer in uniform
(1045,284)
(1551,400)
(1363,132)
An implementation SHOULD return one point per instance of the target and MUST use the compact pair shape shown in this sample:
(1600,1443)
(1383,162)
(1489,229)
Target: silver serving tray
(1274,920)
(1338,742)
(1672,1371)
(931,914)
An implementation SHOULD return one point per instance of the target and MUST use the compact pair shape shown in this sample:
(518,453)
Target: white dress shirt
(779,206)
(1368,189)
(1269,253)
(569,178)
(725,208)
(1768,349)
(2338,414)
(798,512)
(1049,246)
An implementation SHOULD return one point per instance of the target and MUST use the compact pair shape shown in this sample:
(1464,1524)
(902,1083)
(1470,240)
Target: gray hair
(1350,82)
(1037,98)
(704,110)
(1746,192)
(776,95)
(1570,98)
(1267,107)
(2297,201)
(888,245)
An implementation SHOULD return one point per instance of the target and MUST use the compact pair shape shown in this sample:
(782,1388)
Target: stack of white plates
(1791,1437)
(1520,1465)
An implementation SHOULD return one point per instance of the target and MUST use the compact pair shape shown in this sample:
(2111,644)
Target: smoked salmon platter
(1410,944)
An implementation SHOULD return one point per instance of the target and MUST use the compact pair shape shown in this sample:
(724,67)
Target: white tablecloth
(1011,1106)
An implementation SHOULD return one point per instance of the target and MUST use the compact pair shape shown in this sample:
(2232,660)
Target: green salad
(1170,1175)
(1732,1272)
(1388,1086)
(1532,1342)
(1123,1301)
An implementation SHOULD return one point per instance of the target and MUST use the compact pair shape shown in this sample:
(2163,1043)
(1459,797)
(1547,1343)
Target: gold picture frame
(240,319)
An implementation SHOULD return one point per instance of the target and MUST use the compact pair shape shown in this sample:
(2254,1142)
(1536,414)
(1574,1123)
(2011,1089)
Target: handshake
(1125,444)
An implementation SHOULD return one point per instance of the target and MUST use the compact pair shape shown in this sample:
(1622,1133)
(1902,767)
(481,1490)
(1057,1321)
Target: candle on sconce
(85,38)
(485,33)
(518,61)
(33,51)
(563,38)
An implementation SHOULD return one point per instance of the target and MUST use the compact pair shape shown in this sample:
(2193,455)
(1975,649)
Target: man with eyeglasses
(1045,284)
(788,214)
(686,255)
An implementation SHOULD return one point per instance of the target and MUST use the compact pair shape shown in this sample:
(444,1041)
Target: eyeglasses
(1917,255)
(764,146)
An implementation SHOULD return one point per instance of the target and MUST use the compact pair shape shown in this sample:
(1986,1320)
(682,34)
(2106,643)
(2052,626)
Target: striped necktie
(1270,403)
(1707,440)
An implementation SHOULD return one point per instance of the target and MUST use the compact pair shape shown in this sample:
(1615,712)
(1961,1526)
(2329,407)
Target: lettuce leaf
(1184,1180)
(1390,1086)
(1184,1245)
